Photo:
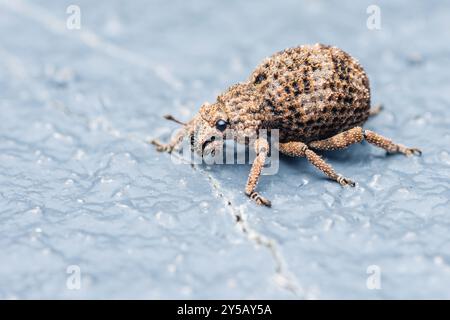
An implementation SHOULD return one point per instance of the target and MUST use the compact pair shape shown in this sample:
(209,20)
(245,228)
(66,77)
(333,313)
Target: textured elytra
(309,92)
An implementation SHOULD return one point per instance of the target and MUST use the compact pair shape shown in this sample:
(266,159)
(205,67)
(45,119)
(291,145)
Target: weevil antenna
(171,118)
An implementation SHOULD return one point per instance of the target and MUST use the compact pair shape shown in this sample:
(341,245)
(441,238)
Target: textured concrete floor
(80,187)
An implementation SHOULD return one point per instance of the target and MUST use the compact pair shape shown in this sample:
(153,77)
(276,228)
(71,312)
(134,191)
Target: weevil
(317,96)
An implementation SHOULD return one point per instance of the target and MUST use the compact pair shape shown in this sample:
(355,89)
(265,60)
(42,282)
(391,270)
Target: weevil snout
(211,146)
(210,128)
(206,139)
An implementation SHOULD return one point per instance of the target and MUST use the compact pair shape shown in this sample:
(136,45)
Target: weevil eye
(221,125)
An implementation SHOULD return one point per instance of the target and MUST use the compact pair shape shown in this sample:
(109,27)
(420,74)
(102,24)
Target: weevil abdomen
(311,92)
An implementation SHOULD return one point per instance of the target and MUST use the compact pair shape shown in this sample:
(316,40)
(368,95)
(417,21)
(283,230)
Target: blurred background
(89,210)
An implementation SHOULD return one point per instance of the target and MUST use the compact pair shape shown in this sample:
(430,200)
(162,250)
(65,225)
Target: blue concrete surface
(80,186)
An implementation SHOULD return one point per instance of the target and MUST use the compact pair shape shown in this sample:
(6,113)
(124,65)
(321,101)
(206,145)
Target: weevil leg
(340,141)
(174,142)
(299,149)
(261,148)
(376,109)
(388,145)
(357,134)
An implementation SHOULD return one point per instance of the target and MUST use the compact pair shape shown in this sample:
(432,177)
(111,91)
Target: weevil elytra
(317,96)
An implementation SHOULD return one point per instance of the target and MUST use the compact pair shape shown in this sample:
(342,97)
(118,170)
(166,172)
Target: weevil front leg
(299,149)
(174,142)
(261,148)
(169,147)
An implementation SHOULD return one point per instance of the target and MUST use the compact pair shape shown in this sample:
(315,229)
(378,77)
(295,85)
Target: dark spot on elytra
(344,77)
(365,82)
(269,103)
(307,61)
(272,107)
(290,118)
(260,78)
(296,90)
(335,63)
(306,85)
(348,100)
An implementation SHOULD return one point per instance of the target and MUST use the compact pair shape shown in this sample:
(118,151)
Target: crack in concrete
(283,278)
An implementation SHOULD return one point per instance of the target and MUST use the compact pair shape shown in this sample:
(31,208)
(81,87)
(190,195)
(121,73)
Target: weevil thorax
(232,116)
(243,107)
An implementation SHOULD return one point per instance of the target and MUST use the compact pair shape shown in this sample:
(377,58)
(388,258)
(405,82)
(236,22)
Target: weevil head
(234,115)
(211,126)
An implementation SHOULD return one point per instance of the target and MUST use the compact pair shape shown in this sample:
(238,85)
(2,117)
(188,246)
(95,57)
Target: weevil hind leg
(387,144)
(299,149)
(357,134)
(376,109)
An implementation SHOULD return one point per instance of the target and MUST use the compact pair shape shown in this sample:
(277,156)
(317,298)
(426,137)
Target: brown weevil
(317,96)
